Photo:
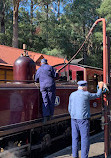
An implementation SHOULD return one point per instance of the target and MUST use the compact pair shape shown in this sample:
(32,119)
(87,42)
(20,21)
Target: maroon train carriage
(73,73)
(21,122)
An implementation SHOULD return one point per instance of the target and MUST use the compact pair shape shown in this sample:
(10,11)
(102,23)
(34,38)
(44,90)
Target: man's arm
(69,106)
(54,73)
(37,75)
(99,92)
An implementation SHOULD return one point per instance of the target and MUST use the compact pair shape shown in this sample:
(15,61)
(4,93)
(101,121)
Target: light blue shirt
(79,103)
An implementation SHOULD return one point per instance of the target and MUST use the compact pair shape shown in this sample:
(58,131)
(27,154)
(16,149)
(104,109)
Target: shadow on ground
(98,156)
(96,148)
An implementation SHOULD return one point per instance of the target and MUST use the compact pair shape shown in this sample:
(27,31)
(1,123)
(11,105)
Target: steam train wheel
(46,141)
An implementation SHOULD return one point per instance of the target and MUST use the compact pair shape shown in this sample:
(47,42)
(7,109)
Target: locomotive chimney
(24,48)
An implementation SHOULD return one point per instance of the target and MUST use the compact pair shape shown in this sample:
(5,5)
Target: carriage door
(80,75)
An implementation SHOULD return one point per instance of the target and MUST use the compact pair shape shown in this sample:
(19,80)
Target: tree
(82,14)
(6,22)
(2,16)
(15,23)
(105,12)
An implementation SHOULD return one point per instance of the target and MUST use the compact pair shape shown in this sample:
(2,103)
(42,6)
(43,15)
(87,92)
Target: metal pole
(105,99)
(104,47)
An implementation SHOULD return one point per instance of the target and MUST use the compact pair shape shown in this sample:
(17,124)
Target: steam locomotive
(21,122)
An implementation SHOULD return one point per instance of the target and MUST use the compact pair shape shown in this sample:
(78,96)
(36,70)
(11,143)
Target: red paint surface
(13,111)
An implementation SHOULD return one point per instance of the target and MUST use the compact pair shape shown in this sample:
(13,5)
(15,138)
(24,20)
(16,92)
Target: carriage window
(96,79)
(70,74)
(93,82)
(63,73)
(101,78)
(79,75)
(63,76)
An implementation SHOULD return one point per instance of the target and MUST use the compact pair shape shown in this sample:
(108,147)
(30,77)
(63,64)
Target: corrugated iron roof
(10,54)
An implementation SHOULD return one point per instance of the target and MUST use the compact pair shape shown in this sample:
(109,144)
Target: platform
(96,148)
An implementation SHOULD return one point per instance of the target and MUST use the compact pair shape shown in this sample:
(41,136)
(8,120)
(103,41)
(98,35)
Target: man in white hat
(79,109)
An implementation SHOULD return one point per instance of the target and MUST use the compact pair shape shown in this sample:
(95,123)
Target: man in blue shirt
(79,109)
(46,75)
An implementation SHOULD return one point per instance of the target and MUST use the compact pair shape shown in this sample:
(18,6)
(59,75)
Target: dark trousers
(48,95)
(80,127)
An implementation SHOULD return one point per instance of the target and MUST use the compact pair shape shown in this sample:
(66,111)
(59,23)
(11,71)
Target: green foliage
(44,51)
(95,60)
(105,9)
(81,15)
(105,12)
(98,37)
(53,52)
(2,38)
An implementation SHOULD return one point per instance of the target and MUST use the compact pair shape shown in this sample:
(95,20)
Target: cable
(80,47)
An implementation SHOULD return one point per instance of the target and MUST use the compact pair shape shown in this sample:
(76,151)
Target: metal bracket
(104,124)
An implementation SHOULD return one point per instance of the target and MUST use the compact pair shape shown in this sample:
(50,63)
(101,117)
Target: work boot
(45,119)
(49,118)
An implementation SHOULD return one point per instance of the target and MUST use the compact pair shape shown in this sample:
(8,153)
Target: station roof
(8,55)
(79,65)
(76,61)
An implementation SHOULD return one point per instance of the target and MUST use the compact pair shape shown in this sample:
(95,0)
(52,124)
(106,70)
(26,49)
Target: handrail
(30,81)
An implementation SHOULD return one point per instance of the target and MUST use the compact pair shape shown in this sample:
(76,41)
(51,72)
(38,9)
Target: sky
(54,7)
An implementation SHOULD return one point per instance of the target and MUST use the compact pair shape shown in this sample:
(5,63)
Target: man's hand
(37,85)
(56,71)
(100,84)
